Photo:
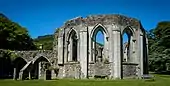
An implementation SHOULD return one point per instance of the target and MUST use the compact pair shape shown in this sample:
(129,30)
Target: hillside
(46,41)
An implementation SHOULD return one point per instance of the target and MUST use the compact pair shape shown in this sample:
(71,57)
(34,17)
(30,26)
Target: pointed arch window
(98,43)
(127,43)
(72,46)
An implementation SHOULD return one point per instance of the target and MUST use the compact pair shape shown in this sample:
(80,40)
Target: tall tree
(13,36)
(159,48)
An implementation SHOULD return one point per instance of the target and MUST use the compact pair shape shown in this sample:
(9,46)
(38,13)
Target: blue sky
(42,17)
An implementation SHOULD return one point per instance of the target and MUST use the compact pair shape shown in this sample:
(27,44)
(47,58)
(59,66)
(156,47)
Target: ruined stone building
(76,54)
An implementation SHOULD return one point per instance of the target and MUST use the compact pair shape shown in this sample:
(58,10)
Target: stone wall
(70,70)
(99,69)
(129,70)
(29,55)
(73,70)
(103,19)
(92,20)
(60,72)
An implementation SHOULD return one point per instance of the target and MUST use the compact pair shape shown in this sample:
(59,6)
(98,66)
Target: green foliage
(8,54)
(46,41)
(159,48)
(13,36)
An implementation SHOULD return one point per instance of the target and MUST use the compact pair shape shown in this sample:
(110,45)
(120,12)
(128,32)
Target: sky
(42,17)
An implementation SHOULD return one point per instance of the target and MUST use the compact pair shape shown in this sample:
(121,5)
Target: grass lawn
(160,80)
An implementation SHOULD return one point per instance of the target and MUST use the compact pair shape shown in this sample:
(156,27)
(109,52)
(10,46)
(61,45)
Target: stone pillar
(106,47)
(83,54)
(93,52)
(70,50)
(29,75)
(90,49)
(111,55)
(134,50)
(132,58)
(60,50)
(14,74)
(147,47)
(105,52)
(141,54)
(39,70)
(146,56)
(117,54)
(45,76)
(78,50)
(21,75)
(65,52)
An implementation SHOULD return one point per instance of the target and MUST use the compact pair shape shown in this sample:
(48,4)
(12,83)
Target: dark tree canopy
(159,47)
(13,36)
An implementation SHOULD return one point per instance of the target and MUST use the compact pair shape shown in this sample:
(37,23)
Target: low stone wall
(73,70)
(129,70)
(99,69)
(70,70)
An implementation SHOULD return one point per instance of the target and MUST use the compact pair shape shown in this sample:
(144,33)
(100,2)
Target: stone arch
(103,29)
(39,57)
(128,48)
(19,58)
(69,33)
(19,63)
(130,29)
(40,67)
(104,47)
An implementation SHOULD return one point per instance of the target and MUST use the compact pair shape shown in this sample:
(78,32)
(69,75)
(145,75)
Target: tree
(159,48)
(13,36)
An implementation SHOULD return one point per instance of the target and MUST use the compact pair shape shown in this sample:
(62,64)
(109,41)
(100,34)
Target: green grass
(160,80)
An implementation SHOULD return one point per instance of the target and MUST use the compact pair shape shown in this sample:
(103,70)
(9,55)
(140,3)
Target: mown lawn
(160,80)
